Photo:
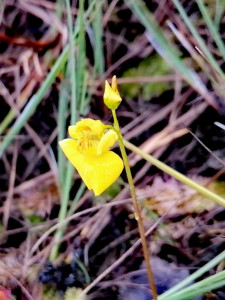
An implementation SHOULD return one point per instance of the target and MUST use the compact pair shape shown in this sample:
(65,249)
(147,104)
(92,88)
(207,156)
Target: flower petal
(95,127)
(104,171)
(107,141)
(114,84)
(98,172)
(69,147)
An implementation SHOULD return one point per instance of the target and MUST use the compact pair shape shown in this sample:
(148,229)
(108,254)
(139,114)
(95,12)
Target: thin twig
(123,257)
(73,217)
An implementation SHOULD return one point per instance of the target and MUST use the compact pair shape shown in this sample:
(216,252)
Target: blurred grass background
(169,59)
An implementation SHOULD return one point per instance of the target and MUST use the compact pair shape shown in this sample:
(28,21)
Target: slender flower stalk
(88,150)
(137,211)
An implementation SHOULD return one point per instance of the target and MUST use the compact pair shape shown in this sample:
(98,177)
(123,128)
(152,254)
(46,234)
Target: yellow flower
(89,152)
(111,96)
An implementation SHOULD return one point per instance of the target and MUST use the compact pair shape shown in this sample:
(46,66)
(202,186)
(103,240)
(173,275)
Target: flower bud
(111,96)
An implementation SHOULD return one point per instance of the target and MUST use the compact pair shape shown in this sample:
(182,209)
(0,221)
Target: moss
(152,66)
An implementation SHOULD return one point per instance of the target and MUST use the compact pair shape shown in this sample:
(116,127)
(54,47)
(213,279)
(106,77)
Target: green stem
(182,178)
(137,211)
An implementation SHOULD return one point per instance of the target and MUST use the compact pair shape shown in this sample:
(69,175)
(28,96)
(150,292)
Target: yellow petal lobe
(104,171)
(87,126)
(69,147)
(107,141)
(98,173)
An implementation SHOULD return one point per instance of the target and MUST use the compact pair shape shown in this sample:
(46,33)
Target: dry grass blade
(157,38)
(73,217)
(168,83)
(123,257)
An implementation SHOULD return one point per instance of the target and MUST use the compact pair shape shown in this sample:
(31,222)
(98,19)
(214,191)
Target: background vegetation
(168,56)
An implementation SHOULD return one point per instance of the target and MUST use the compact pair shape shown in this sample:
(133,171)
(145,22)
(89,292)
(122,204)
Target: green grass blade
(34,101)
(63,210)
(7,120)
(166,49)
(72,65)
(59,9)
(194,54)
(197,57)
(192,294)
(78,83)
(175,174)
(98,40)
(200,41)
(63,105)
(81,53)
(220,7)
(211,264)
(66,180)
(37,98)
(84,100)
(212,28)
(62,111)
(199,288)
(76,199)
